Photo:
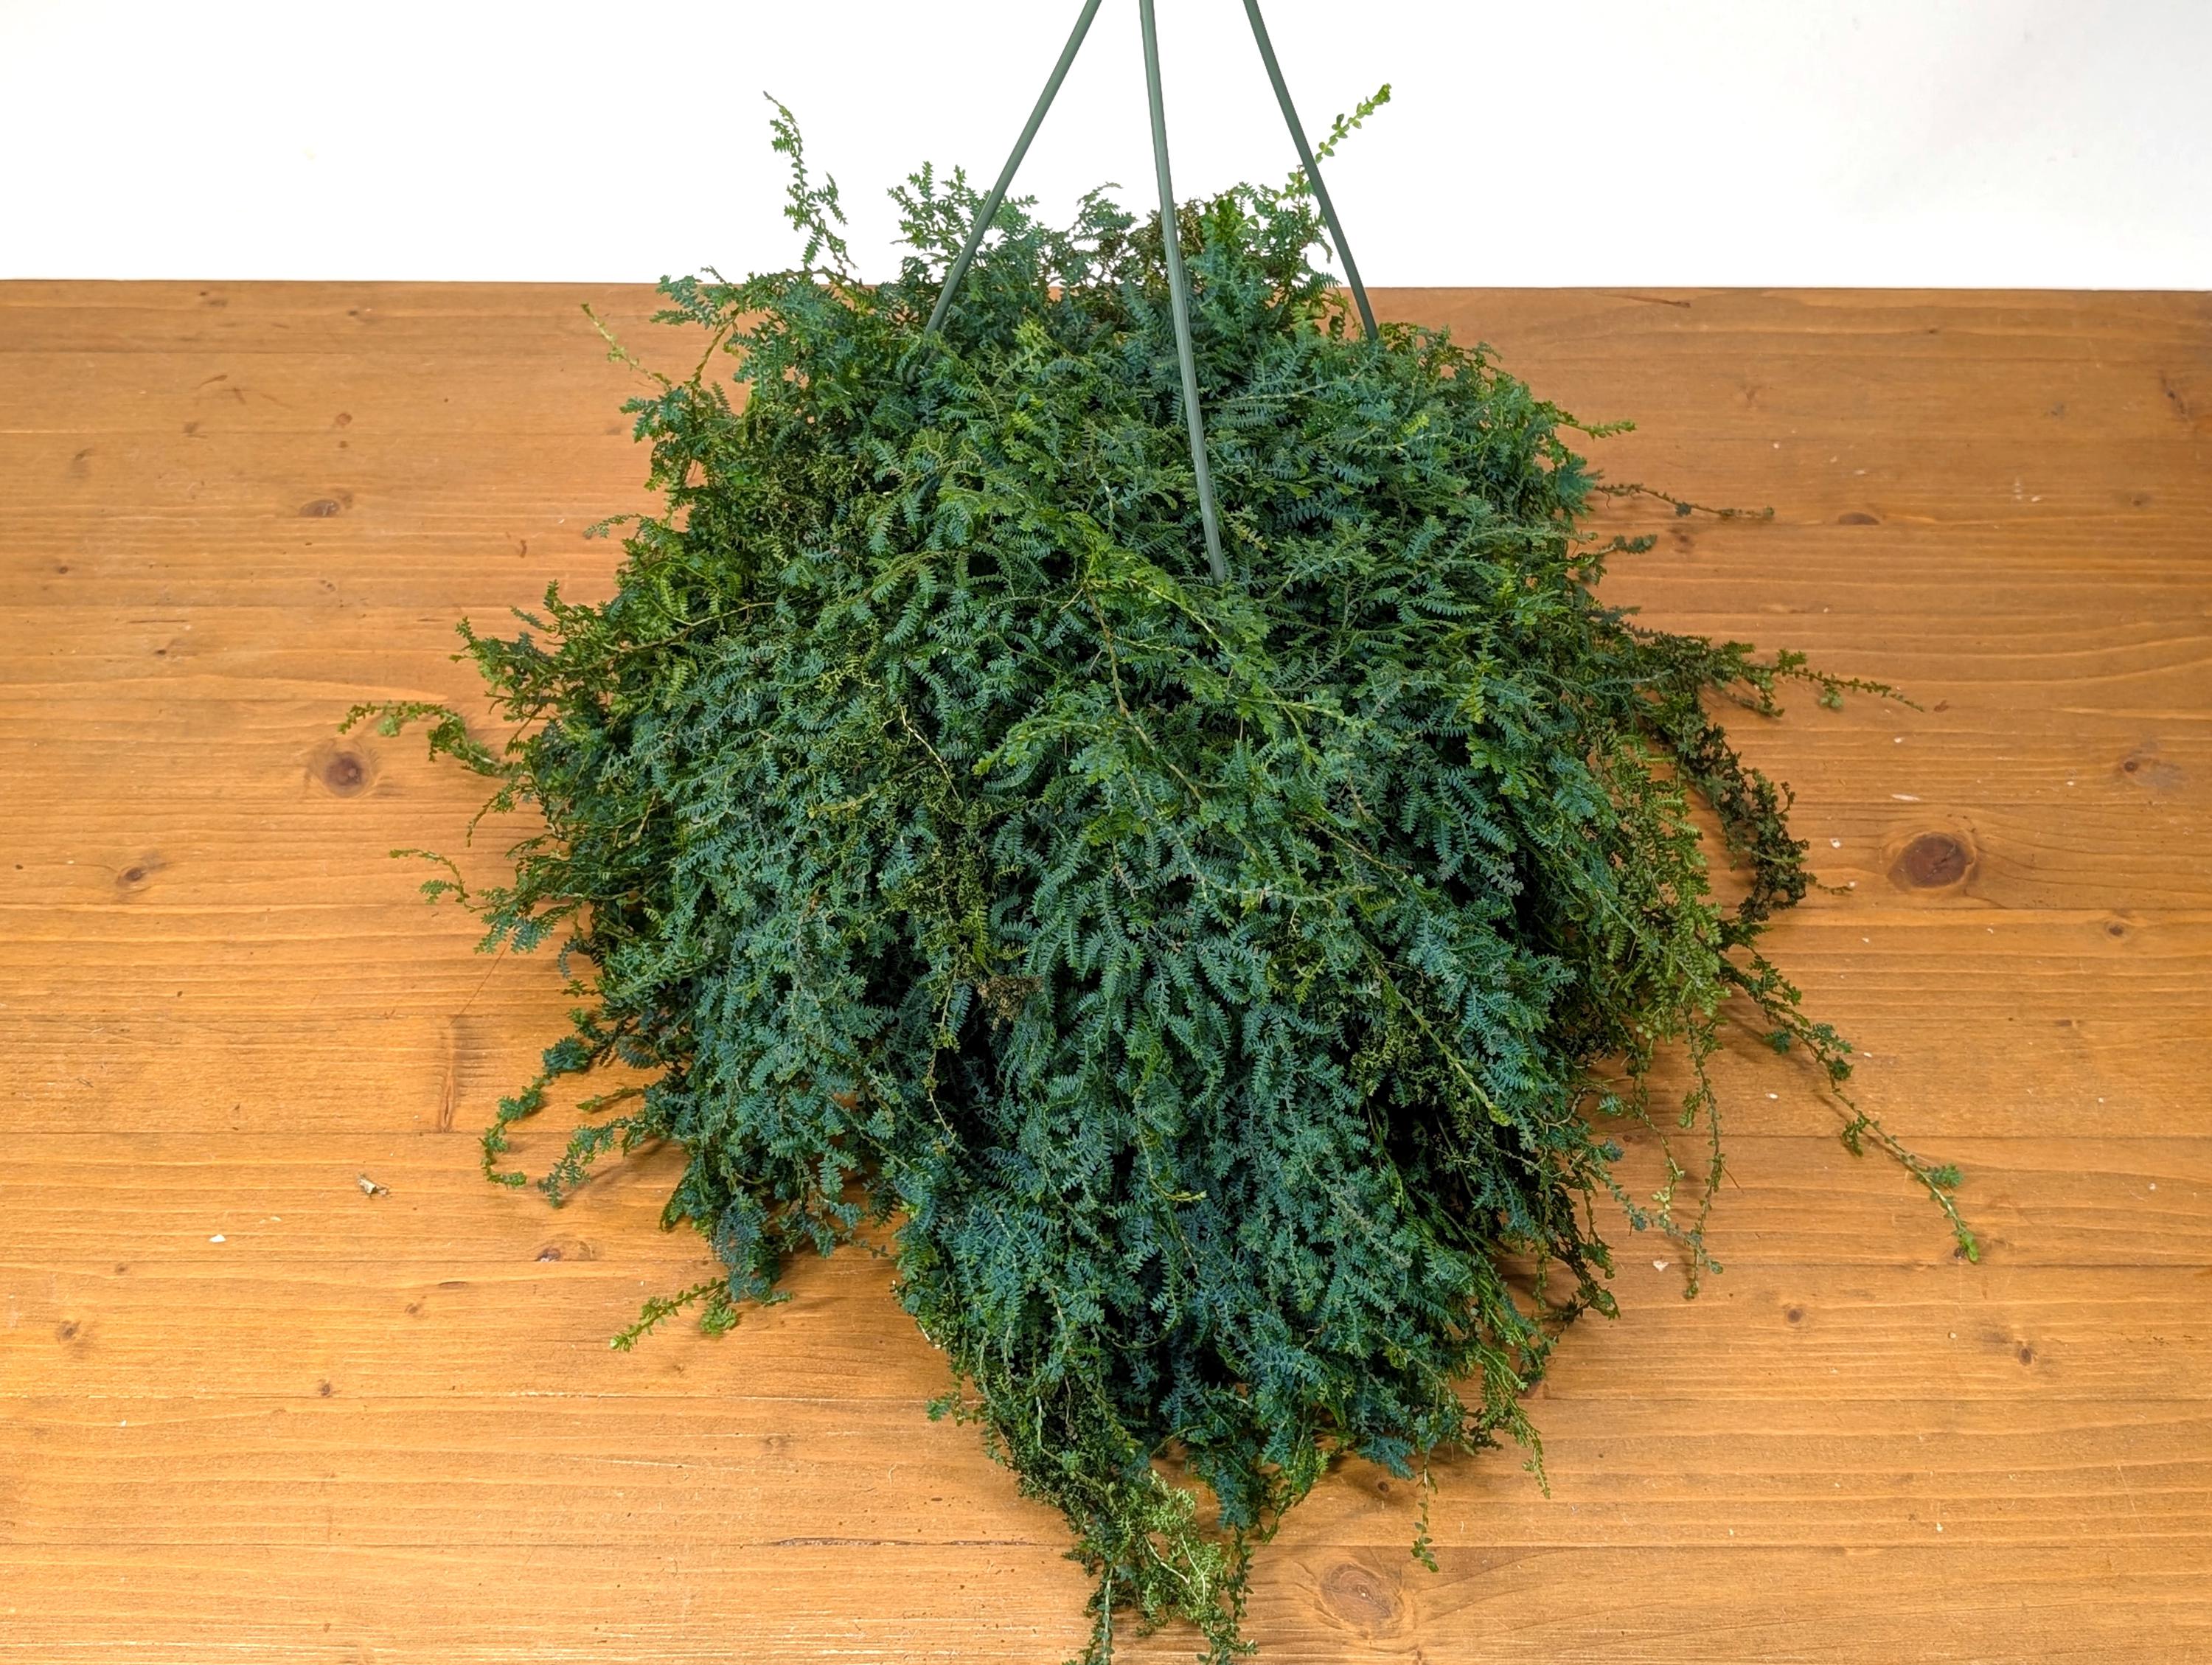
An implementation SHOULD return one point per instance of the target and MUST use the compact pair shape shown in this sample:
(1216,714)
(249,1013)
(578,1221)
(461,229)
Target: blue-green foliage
(1224,989)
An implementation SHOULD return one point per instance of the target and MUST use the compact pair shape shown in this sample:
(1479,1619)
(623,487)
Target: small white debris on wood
(369,1188)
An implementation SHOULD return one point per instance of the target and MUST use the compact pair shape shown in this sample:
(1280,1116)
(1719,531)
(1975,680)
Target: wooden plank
(1706,390)
(1527,1604)
(211,1473)
(275,1197)
(388,1427)
(275,1321)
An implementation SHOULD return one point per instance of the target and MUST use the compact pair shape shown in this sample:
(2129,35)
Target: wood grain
(249,1410)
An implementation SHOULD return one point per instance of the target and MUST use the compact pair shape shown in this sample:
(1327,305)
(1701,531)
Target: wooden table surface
(250,1412)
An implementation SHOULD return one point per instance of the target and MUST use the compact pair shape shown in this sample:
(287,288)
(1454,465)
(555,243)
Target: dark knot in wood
(1934,862)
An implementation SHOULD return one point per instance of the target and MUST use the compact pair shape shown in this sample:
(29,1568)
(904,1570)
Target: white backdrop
(2023,142)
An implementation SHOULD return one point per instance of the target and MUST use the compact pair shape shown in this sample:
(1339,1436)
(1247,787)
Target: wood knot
(342,770)
(345,774)
(1933,861)
(139,874)
(320,508)
(1857,517)
(2143,767)
(324,1390)
(1792,1315)
(551,1252)
(1364,1600)
(2024,1353)
(66,1330)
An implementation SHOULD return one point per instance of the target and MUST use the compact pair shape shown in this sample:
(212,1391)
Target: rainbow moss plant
(1224,992)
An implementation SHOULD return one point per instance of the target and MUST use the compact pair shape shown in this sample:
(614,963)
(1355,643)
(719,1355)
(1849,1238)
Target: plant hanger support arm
(1312,167)
(1179,296)
(990,209)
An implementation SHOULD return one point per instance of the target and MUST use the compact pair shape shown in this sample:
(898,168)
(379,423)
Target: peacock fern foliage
(1226,995)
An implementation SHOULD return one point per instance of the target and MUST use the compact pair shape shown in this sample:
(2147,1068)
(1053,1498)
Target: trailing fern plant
(1226,994)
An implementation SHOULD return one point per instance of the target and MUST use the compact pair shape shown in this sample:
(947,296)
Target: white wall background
(2021,142)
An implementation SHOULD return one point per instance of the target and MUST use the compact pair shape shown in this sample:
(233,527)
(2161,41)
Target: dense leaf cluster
(1226,990)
